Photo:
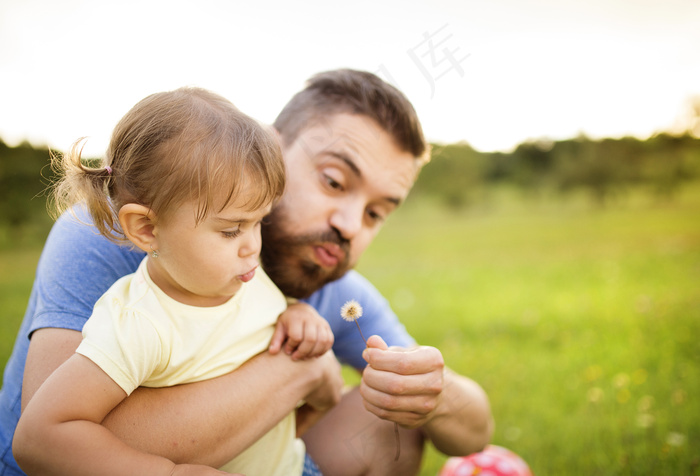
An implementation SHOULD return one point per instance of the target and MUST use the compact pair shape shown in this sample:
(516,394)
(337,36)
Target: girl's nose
(252,244)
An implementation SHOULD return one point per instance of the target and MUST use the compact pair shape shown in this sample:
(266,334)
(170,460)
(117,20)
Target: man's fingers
(409,412)
(420,360)
(394,384)
(376,342)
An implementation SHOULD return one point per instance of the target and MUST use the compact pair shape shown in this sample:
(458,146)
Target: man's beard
(284,256)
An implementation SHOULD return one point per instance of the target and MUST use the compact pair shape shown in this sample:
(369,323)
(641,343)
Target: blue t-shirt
(78,265)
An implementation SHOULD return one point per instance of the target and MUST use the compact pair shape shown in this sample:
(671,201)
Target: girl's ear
(138,223)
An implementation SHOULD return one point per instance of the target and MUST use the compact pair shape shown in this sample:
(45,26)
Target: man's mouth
(329,255)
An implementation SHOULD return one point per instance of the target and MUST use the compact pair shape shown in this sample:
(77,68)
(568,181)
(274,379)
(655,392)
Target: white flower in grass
(675,439)
(645,420)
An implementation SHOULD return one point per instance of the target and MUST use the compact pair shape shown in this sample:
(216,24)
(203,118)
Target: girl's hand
(302,333)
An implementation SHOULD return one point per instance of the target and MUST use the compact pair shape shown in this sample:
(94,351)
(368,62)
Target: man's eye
(374,216)
(332,183)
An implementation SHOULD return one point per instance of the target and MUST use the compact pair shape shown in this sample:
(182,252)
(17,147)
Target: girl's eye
(231,234)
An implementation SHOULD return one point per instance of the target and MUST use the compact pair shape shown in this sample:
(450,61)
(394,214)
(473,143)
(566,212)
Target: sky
(492,73)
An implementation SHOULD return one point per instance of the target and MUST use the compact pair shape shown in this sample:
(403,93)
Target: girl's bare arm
(207,422)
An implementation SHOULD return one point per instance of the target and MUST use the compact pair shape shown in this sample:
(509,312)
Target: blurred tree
(602,168)
(455,174)
(22,185)
(694,126)
(670,163)
(532,165)
(458,175)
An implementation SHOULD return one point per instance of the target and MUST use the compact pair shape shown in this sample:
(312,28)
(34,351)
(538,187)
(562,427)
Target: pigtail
(169,149)
(85,182)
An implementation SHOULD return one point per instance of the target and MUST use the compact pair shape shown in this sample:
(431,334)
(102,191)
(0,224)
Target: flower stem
(361,334)
(398,441)
(347,313)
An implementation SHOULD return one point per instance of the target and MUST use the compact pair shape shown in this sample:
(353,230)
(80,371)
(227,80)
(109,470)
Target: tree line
(458,175)
(25,174)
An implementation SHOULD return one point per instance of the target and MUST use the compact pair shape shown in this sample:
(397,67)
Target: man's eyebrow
(348,161)
(352,166)
(393,200)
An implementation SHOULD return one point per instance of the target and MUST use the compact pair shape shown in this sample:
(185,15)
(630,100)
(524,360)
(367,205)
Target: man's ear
(277,134)
(138,223)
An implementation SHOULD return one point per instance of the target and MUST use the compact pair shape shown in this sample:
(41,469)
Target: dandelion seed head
(621,380)
(645,420)
(595,394)
(645,403)
(351,311)
(675,439)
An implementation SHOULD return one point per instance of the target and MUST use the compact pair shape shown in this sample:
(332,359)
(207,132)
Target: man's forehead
(356,137)
(344,128)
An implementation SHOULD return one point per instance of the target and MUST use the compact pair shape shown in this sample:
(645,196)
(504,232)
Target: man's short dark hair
(354,92)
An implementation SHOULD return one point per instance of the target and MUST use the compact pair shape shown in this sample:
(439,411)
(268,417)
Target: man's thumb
(374,342)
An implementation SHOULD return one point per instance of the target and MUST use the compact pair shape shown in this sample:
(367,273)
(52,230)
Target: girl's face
(205,263)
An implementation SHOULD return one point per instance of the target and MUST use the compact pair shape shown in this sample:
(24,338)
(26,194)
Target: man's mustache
(330,236)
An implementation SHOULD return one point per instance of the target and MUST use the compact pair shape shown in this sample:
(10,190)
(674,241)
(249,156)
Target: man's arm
(207,422)
(413,388)
(461,422)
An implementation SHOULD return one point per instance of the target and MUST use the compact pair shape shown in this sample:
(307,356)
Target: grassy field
(582,323)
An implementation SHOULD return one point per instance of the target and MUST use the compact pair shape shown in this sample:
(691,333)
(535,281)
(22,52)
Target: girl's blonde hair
(170,148)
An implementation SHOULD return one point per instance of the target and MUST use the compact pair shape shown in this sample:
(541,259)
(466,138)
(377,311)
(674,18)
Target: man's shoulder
(74,239)
(77,266)
(76,223)
(352,285)
(378,317)
(351,281)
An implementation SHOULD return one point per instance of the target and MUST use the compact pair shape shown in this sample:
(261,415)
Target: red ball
(493,461)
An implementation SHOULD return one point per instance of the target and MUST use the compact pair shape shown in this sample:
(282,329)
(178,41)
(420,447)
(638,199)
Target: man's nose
(347,218)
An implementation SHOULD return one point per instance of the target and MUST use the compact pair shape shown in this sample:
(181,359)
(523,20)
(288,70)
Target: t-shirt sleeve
(76,267)
(377,318)
(122,342)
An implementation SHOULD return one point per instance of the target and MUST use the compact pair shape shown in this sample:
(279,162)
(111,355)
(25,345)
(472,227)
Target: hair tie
(108,169)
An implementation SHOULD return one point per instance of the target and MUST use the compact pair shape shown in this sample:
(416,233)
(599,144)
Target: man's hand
(301,333)
(412,387)
(402,385)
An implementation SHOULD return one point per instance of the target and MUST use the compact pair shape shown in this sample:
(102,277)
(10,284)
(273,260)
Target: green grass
(582,323)
(17,268)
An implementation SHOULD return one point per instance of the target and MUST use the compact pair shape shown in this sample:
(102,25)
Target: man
(353,147)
